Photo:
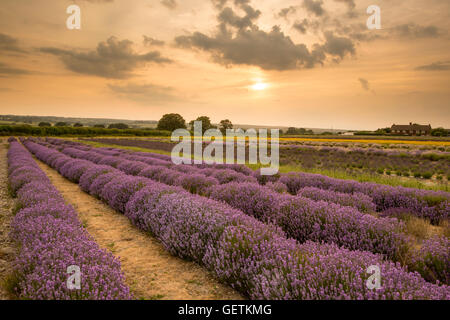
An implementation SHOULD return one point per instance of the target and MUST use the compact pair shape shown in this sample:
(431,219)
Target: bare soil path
(7,248)
(150,271)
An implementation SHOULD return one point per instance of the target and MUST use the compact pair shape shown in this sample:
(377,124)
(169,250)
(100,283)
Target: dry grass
(445,225)
(421,229)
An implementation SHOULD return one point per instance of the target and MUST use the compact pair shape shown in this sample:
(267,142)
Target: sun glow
(259,86)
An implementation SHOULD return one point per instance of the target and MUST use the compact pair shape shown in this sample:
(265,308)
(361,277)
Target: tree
(61,124)
(383,131)
(99,126)
(118,126)
(78,125)
(224,125)
(44,124)
(206,123)
(439,132)
(171,122)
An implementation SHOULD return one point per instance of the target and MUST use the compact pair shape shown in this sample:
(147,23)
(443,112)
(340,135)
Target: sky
(302,63)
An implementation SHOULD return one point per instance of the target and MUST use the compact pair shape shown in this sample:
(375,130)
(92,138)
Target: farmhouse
(411,129)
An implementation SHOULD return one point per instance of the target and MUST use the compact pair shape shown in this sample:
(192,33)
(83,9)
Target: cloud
(8,43)
(6,71)
(364,84)
(149,41)
(435,66)
(145,93)
(357,31)
(227,16)
(239,41)
(268,50)
(412,30)
(111,59)
(301,26)
(351,13)
(287,11)
(219,4)
(338,46)
(314,7)
(171,4)
(350,3)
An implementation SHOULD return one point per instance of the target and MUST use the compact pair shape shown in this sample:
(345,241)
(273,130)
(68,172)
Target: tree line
(174,121)
(28,130)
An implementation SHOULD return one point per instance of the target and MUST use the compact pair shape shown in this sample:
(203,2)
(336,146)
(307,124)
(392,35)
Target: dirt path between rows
(150,271)
(7,248)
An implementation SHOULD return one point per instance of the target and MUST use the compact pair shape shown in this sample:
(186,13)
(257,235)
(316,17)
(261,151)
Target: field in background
(409,165)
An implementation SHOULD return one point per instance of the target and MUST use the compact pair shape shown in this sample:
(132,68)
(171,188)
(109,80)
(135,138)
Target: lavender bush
(356,200)
(433,260)
(433,205)
(51,238)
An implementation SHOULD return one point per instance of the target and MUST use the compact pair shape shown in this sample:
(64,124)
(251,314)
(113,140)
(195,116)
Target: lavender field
(291,236)
(423,162)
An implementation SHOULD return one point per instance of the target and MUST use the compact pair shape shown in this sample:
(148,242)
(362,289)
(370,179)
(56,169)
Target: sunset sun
(259,86)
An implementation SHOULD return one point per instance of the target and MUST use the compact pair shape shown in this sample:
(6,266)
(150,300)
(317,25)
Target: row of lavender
(199,180)
(433,205)
(301,218)
(255,258)
(304,219)
(51,239)
(205,175)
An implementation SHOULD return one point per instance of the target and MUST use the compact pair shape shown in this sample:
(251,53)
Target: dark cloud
(364,84)
(268,50)
(6,71)
(412,30)
(219,4)
(351,13)
(10,44)
(350,3)
(301,26)
(239,41)
(314,7)
(287,11)
(227,16)
(149,41)
(171,4)
(435,66)
(338,46)
(145,93)
(111,59)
